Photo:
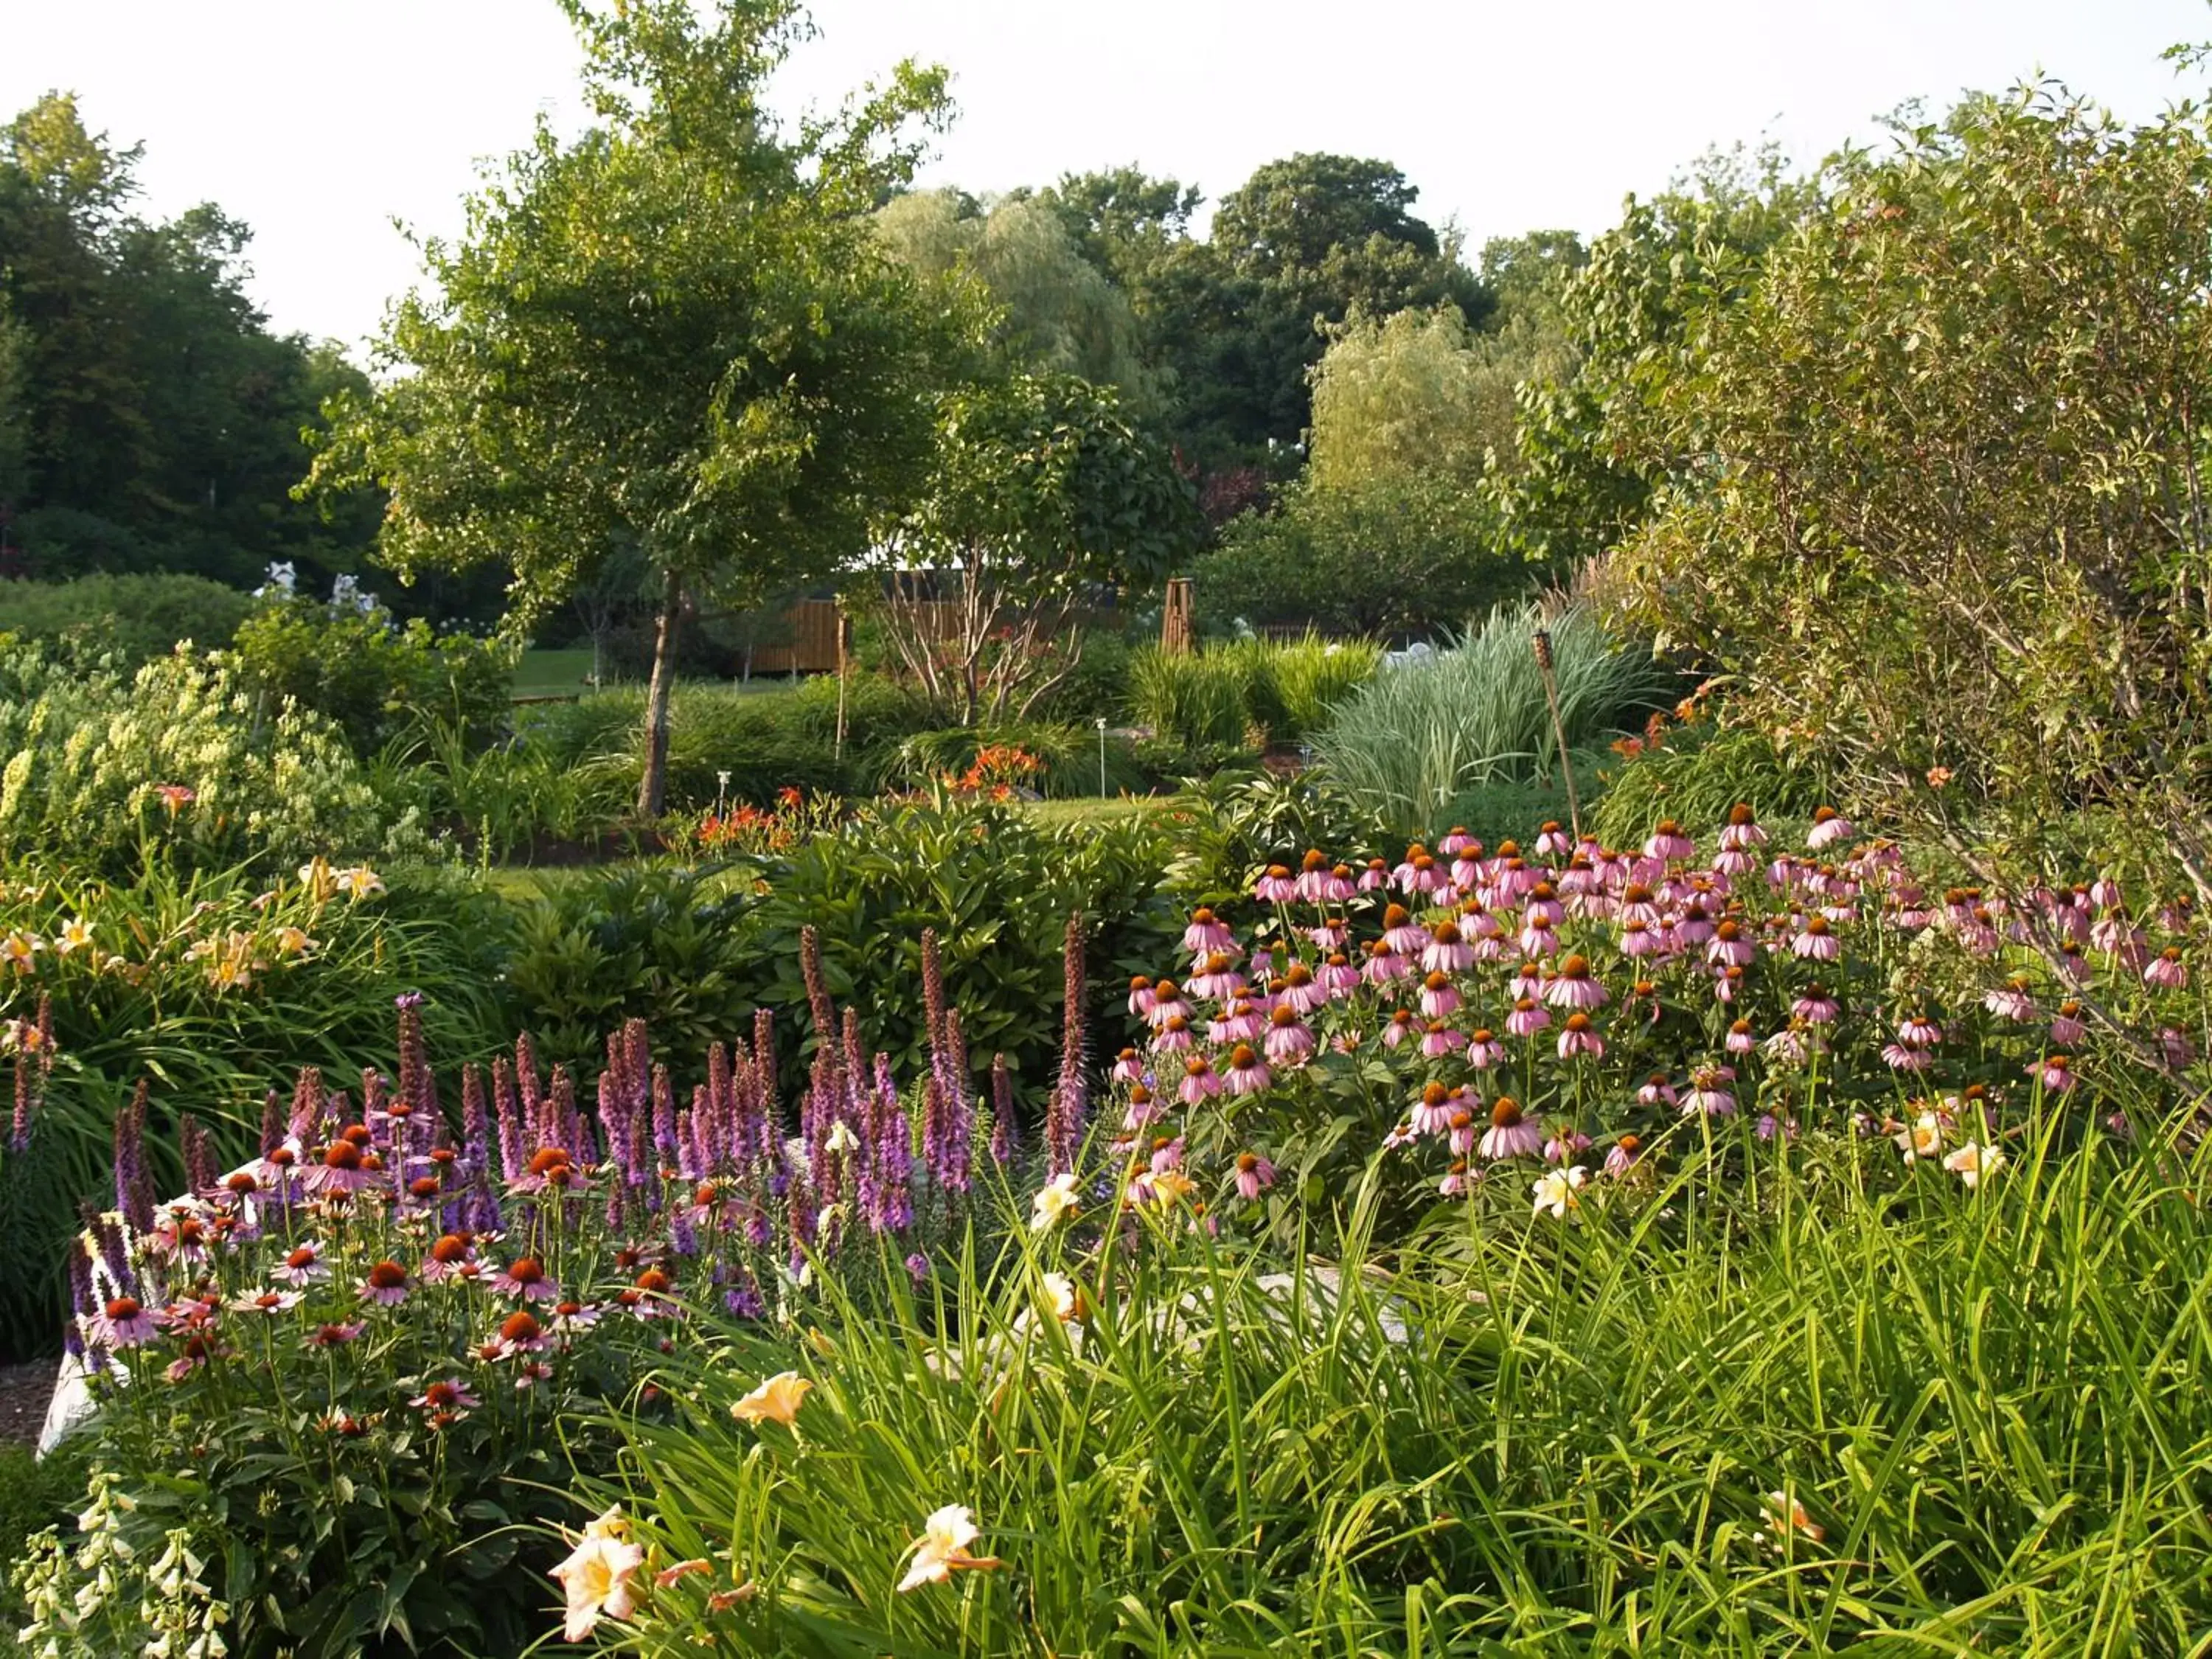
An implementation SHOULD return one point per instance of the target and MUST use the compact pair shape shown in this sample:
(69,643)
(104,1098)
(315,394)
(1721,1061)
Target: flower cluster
(1526,1005)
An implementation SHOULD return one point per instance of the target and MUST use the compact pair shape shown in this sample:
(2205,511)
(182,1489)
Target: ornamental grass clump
(344,1385)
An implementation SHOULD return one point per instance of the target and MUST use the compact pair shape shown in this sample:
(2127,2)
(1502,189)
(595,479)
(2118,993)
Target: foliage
(1043,493)
(1935,487)
(1058,314)
(1398,556)
(674,334)
(1403,394)
(102,768)
(1247,693)
(1695,772)
(1632,316)
(1409,742)
(1065,758)
(36,1493)
(205,986)
(148,419)
(378,680)
(131,618)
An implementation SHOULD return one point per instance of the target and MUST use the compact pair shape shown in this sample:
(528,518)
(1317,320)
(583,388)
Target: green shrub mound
(132,618)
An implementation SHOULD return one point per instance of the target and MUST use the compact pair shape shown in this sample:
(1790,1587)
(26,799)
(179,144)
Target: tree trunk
(653,787)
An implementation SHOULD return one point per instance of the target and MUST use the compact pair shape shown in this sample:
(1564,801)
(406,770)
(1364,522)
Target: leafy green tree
(150,419)
(1571,489)
(1406,394)
(1934,487)
(678,332)
(1044,497)
(1124,221)
(1057,313)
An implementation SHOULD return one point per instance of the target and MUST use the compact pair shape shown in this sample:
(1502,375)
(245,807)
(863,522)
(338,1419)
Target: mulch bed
(24,1391)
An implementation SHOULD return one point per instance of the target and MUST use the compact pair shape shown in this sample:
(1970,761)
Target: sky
(322,122)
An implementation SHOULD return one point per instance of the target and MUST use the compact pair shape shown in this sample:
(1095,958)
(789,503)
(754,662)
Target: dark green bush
(131,618)
(377,679)
(1701,771)
(35,1493)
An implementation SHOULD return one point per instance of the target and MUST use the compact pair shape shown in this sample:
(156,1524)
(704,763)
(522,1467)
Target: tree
(1934,490)
(1043,496)
(1057,313)
(1573,489)
(678,332)
(1123,220)
(1402,395)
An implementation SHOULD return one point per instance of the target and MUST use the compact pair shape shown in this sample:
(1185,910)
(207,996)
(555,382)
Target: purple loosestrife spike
(114,1256)
(856,1056)
(134,1194)
(683,1237)
(84,1302)
(960,1106)
(615,1121)
(933,991)
(664,1115)
(637,1062)
(526,1080)
(695,1135)
(1065,1121)
(818,1006)
(764,1054)
(563,1123)
(476,1121)
(1005,1131)
(272,1122)
(200,1173)
(306,1126)
(414,1069)
(19,1134)
(508,1117)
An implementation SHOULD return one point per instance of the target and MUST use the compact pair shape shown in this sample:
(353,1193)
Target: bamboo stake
(1541,638)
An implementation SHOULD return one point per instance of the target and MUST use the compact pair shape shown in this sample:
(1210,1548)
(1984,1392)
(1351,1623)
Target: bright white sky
(319,123)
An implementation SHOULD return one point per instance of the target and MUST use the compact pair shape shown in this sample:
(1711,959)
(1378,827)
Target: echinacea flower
(525,1276)
(596,1576)
(1815,943)
(2167,969)
(1254,1173)
(1624,1155)
(341,1168)
(1556,1191)
(1248,1073)
(1510,1134)
(122,1323)
(1055,1201)
(1829,827)
(1578,1037)
(448,1399)
(2055,1072)
(520,1332)
(266,1302)
(775,1401)
(303,1266)
(942,1550)
(335,1335)
(385,1284)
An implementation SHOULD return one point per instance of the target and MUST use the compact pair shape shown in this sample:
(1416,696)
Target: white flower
(1973,1162)
(1054,1202)
(1556,1191)
(942,1549)
(1921,1138)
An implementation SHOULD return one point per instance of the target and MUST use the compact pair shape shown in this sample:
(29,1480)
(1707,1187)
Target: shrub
(376,679)
(1695,772)
(131,618)
(208,988)
(103,769)
(1409,741)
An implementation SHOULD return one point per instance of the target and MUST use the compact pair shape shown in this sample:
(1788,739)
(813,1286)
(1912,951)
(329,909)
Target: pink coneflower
(1917,1031)
(1167,1005)
(1200,1082)
(571,1317)
(1374,874)
(1768,1125)
(1637,939)
(1510,1134)
(1898,1057)
(1439,997)
(446,1402)
(1741,1039)
(1331,934)
(335,1335)
(1528,981)
(1574,988)
(448,1255)
(1276,885)
(531,1372)
(199,1350)
(1447,951)
(266,1302)
(1433,1109)
(1383,966)
(122,1322)
(1457,841)
(1815,943)
(1418,873)
(1400,1026)
(1787,1048)
(1815,1008)
(179,1236)
(1207,932)
(1566,1144)
(1693,926)
(1829,827)
(1537,938)
(1298,988)
(2167,969)
(1438,1039)
(1254,1175)
(1339,978)
(1312,883)
(1128,1066)
(1657,1091)
(1401,934)
(1143,1109)
(341,1168)
(1240,1022)
(525,1276)
(1142,996)
(1707,1096)
(1552,841)
(2067,1026)
(2177,1048)
(1624,1155)
(2010,1000)
(1216,978)
(1638,903)
(1484,1050)
(1728,948)
(1460,1131)
(303,1266)
(1742,831)
(385,1284)
(1173,1036)
(2054,1073)
(520,1333)
(1543,904)
(1457,1179)
(1289,1041)
(1248,1073)
(1668,842)
(1167,1153)
(1577,1038)
(1527,1018)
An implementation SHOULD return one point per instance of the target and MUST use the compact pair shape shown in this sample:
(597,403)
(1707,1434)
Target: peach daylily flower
(942,1549)
(596,1577)
(776,1401)
(1055,1201)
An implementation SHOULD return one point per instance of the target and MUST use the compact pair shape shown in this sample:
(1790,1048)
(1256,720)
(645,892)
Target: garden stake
(1541,638)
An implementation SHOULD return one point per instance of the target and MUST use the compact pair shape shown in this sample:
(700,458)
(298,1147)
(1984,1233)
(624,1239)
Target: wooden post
(1176,632)
(844,651)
